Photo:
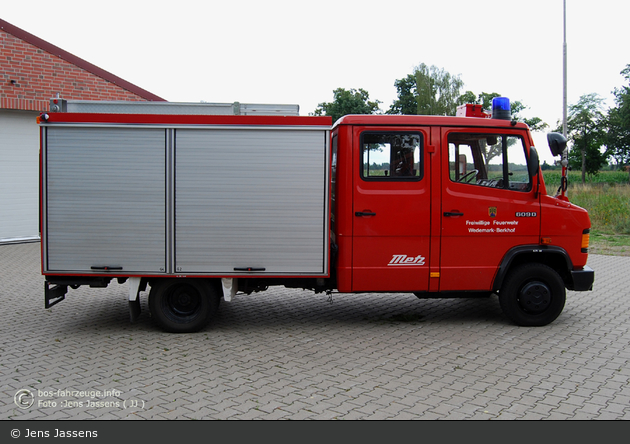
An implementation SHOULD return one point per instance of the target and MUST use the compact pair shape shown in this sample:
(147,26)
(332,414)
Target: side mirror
(534,162)
(557,143)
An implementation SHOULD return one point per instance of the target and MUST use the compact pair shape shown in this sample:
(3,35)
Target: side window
(488,160)
(391,156)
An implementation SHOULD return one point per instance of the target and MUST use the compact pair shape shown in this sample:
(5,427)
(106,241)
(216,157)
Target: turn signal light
(586,237)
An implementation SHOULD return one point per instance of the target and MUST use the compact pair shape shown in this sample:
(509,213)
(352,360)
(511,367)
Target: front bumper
(583,279)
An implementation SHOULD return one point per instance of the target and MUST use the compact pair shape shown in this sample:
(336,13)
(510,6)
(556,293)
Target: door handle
(364,213)
(452,214)
(106,268)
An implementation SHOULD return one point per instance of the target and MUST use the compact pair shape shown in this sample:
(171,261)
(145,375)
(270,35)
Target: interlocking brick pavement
(289,354)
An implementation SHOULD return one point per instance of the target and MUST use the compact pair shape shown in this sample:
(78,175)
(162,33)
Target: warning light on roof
(501,108)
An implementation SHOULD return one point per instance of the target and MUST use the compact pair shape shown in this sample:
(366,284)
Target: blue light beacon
(501,108)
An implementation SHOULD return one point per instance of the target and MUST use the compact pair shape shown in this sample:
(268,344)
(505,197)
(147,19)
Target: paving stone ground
(290,354)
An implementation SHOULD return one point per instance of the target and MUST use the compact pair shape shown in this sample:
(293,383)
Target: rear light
(586,237)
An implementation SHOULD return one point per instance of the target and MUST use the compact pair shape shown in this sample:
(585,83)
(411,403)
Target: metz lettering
(404,260)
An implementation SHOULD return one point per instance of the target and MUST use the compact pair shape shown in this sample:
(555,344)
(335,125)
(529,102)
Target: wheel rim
(535,297)
(184,301)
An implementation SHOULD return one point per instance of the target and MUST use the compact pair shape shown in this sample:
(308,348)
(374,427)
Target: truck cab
(453,207)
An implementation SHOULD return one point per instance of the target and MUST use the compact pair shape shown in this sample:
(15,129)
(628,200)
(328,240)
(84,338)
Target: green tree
(468,97)
(618,137)
(345,102)
(618,124)
(407,92)
(438,90)
(429,90)
(586,132)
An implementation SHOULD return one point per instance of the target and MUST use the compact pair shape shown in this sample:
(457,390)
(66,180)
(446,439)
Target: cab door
(391,209)
(489,204)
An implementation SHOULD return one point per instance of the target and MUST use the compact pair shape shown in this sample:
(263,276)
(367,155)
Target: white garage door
(19,176)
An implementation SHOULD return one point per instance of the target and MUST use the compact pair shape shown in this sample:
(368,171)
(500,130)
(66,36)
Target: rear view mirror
(534,162)
(557,143)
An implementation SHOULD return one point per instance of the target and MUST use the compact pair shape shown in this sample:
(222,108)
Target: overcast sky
(296,52)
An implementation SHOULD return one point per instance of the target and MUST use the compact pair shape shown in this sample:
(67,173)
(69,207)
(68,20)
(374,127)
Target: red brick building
(31,72)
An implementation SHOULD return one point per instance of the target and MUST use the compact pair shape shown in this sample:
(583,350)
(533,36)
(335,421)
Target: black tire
(533,295)
(183,305)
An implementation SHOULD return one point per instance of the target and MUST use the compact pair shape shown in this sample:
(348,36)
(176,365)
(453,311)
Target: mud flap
(134,300)
(53,295)
(134,310)
(230,287)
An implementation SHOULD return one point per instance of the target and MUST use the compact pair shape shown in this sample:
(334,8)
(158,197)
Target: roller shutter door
(105,204)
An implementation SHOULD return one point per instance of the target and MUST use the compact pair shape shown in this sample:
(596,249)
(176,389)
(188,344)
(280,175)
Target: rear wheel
(532,295)
(183,305)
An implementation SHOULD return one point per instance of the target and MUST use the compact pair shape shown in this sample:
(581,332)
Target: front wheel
(533,295)
(183,305)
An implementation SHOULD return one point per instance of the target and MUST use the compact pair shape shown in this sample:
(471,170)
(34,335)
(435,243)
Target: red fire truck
(199,207)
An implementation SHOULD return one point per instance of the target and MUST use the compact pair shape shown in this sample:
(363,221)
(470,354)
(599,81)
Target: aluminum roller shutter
(251,198)
(105,191)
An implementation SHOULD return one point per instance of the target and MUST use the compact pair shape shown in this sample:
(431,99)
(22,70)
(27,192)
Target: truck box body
(142,196)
